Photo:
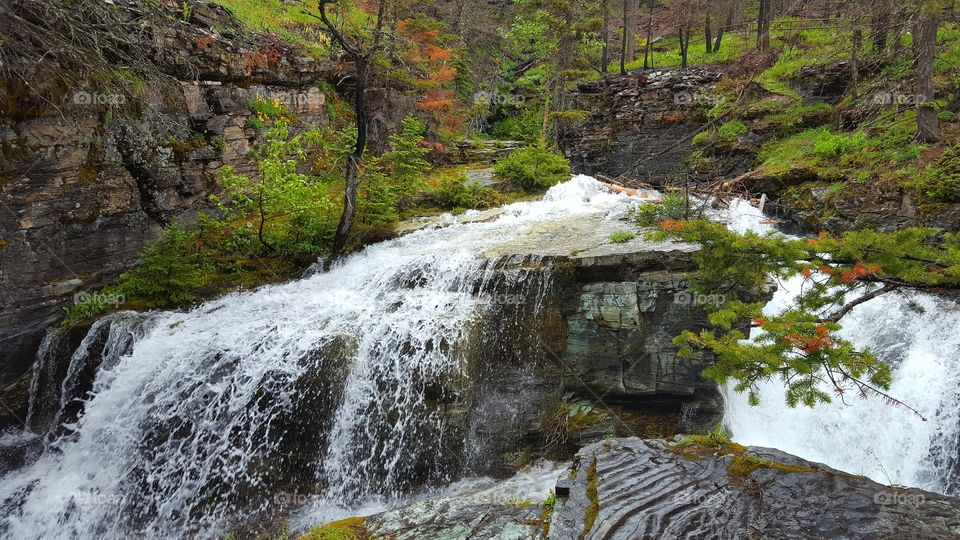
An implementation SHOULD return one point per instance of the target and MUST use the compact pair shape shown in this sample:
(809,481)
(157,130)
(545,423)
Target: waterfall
(341,383)
(916,334)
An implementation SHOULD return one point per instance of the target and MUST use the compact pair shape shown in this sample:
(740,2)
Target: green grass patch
(345,529)
(284,19)
(622,237)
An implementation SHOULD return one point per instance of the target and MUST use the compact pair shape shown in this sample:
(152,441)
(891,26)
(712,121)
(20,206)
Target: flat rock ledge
(652,489)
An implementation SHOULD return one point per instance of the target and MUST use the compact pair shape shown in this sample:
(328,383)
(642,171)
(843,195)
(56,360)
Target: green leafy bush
(288,211)
(406,162)
(941,181)
(457,192)
(524,127)
(266,109)
(169,272)
(533,168)
(672,206)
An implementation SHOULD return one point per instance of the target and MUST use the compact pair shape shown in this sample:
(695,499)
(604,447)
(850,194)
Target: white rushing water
(867,436)
(193,425)
(323,386)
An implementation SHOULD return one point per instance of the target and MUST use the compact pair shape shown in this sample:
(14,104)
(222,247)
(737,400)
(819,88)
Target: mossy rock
(354,528)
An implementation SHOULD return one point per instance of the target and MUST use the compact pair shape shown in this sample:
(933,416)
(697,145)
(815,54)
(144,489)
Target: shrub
(672,206)
(457,192)
(533,168)
(265,108)
(406,162)
(169,272)
(524,127)
(622,237)
(941,181)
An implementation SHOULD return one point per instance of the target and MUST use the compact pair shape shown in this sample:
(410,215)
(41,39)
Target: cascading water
(915,333)
(334,383)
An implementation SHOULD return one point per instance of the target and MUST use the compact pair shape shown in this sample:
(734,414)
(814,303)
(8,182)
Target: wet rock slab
(639,489)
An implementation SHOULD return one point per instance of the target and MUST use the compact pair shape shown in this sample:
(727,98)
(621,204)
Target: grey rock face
(619,339)
(83,188)
(640,123)
(645,489)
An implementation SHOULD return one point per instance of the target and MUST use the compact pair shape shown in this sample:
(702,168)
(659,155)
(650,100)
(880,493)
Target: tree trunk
(631,11)
(352,180)
(708,33)
(727,24)
(763,25)
(855,57)
(623,39)
(879,24)
(605,55)
(684,34)
(647,48)
(925,49)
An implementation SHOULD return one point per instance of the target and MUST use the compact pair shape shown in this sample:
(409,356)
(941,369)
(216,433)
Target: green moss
(345,529)
(798,116)
(590,517)
(548,506)
(731,130)
(622,237)
(941,181)
(743,465)
(717,443)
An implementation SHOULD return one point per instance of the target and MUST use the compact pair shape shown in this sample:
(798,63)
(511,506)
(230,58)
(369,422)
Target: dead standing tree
(362,55)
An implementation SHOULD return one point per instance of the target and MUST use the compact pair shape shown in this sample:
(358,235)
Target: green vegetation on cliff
(801,346)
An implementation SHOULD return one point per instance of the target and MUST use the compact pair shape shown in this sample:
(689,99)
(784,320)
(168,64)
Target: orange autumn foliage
(673,225)
(858,271)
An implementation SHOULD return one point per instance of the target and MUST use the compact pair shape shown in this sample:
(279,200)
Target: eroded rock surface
(650,489)
(84,185)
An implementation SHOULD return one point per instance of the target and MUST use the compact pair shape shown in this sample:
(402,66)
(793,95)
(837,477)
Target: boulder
(694,488)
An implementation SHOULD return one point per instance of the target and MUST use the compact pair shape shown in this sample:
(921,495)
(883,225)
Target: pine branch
(840,313)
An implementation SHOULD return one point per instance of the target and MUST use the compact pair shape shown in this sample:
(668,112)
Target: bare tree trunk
(684,34)
(631,11)
(855,56)
(763,25)
(605,55)
(727,24)
(623,39)
(708,33)
(925,49)
(647,49)
(352,179)
(879,23)
(362,62)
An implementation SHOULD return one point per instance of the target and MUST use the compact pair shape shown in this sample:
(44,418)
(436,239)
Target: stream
(319,398)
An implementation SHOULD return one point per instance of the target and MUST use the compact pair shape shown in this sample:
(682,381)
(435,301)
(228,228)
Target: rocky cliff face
(592,320)
(633,488)
(88,181)
(565,316)
(640,124)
